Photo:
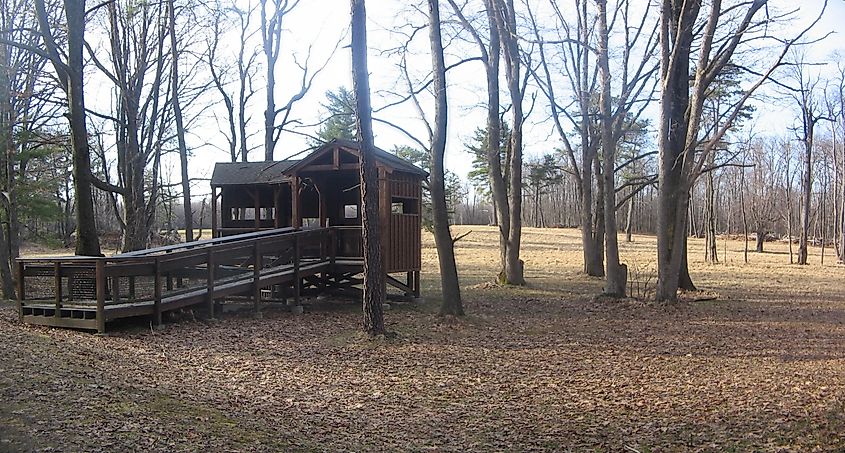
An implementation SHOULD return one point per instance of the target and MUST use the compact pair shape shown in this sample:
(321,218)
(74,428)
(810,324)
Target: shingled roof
(239,173)
(243,173)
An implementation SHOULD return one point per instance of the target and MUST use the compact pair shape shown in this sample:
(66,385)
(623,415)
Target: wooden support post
(21,288)
(257,264)
(256,200)
(409,282)
(57,270)
(209,283)
(297,281)
(296,219)
(277,208)
(417,284)
(332,247)
(132,288)
(157,294)
(213,212)
(100,279)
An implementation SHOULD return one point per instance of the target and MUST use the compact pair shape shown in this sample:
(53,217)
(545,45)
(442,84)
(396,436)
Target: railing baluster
(210,283)
(157,293)
(297,283)
(57,270)
(21,288)
(100,278)
(257,264)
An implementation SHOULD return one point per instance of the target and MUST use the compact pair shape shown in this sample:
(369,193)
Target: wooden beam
(256,275)
(209,283)
(157,294)
(100,279)
(57,270)
(297,281)
(277,207)
(213,212)
(296,215)
(21,289)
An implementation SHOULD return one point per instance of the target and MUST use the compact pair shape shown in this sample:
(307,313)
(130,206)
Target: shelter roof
(386,158)
(239,173)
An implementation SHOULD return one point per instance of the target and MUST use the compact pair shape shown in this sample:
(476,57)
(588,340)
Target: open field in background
(760,368)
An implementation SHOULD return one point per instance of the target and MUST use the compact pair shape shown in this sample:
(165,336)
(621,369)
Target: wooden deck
(88,292)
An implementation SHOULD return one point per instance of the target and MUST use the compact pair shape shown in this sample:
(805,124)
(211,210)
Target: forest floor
(756,362)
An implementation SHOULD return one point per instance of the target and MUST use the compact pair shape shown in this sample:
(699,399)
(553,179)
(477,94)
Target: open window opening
(400,205)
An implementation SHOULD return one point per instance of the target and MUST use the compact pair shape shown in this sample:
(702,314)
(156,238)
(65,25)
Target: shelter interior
(323,189)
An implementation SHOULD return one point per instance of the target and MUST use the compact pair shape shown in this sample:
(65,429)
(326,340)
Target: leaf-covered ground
(759,368)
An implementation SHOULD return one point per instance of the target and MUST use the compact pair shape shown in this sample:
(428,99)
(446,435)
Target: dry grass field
(756,365)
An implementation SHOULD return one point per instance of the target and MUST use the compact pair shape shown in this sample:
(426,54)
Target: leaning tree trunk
(442,237)
(374,277)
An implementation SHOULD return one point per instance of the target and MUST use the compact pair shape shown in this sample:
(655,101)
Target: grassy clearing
(761,367)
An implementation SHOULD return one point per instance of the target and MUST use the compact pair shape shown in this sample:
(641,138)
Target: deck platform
(88,292)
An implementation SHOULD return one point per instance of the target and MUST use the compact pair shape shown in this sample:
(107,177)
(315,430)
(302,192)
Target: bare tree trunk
(180,127)
(6,150)
(711,254)
(806,197)
(442,237)
(629,220)
(374,278)
(71,75)
(506,24)
(616,274)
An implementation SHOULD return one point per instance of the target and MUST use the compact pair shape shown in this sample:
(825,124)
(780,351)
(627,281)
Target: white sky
(322,22)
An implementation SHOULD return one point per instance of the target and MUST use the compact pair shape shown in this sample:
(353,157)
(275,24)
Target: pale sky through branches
(320,24)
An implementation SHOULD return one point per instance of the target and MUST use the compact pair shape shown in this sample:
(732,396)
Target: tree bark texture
(71,77)
(616,274)
(374,277)
(449,283)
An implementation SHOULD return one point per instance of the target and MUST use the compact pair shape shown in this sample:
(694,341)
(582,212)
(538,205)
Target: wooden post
(57,270)
(256,200)
(277,208)
(21,289)
(256,275)
(100,278)
(332,246)
(213,212)
(296,219)
(157,293)
(209,283)
(297,282)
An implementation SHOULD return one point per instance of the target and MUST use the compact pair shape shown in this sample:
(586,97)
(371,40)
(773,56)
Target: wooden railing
(143,282)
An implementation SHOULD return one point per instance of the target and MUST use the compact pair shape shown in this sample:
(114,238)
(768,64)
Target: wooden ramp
(88,292)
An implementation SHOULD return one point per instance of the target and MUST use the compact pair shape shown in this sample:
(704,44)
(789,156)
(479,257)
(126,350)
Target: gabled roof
(386,158)
(238,173)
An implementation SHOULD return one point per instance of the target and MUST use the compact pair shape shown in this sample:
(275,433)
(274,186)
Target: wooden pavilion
(280,229)
(323,189)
